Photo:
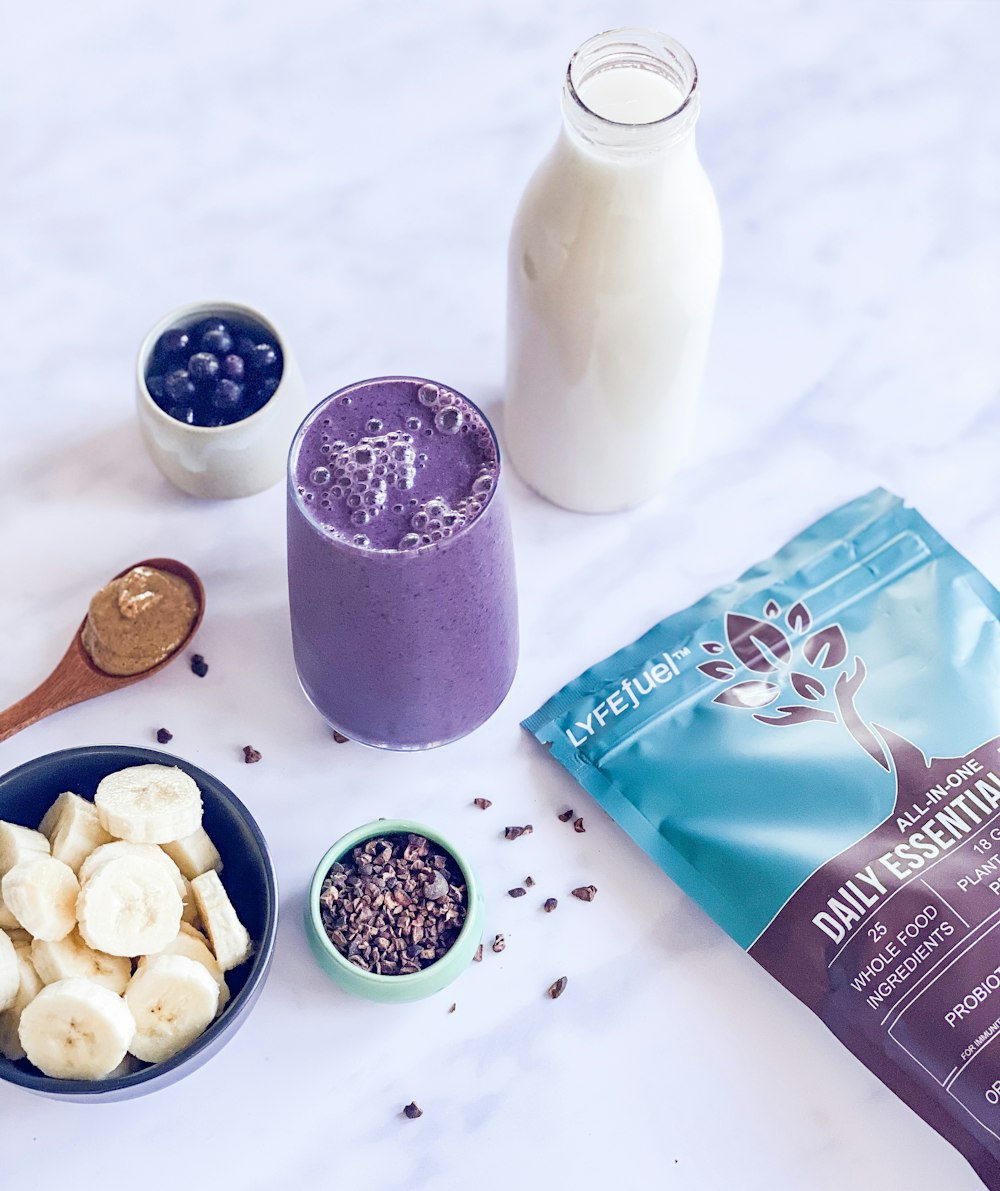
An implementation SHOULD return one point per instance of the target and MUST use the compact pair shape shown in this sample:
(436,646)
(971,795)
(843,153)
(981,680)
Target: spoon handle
(50,696)
(70,682)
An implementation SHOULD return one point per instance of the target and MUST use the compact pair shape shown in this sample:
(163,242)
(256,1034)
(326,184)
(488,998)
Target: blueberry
(262,357)
(173,343)
(228,394)
(203,366)
(217,339)
(177,385)
(183,413)
(232,367)
(155,386)
(268,386)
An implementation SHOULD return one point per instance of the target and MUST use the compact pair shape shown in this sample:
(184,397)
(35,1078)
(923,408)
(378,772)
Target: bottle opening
(622,84)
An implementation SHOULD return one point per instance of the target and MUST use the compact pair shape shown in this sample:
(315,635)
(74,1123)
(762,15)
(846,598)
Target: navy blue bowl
(248,875)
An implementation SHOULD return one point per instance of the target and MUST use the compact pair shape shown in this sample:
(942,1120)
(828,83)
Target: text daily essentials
(954,821)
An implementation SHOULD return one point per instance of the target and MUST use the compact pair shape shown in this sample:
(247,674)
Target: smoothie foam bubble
(358,453)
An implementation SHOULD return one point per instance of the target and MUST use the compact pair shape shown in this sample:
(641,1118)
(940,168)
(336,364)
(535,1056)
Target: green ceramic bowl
(413,985)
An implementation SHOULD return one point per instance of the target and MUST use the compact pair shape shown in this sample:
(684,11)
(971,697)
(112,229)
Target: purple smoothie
(400,565)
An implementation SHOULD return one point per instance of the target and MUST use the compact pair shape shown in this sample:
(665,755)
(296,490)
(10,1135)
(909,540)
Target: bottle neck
(631,94)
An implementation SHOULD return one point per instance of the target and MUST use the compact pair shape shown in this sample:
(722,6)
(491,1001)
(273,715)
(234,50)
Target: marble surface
(352,168)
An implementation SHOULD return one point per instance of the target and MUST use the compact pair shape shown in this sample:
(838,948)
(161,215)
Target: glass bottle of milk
(614,264)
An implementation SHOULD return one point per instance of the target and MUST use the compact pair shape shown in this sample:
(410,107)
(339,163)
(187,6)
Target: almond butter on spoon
(138,619)
(137,624)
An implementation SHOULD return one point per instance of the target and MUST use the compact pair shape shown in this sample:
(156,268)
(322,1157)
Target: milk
(631,95)
(614,264)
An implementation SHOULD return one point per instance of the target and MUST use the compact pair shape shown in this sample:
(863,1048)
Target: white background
(352,170)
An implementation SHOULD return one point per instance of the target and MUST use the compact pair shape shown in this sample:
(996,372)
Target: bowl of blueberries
(219,397)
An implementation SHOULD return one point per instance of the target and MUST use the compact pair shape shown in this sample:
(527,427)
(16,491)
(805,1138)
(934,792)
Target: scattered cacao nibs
(578,825)
(550,905)
(482,803)
(198,665)
(478,957)
(499,943)
(517,832)
(452,1007)
(411,1111)
(339,738)
(528,882)
(557,987)
(518,892)
(394,905)
(250,754)
(566,816)
(163,736)
(586,893)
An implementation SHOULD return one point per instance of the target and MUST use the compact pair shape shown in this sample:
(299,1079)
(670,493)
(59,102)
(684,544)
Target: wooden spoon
(76,678)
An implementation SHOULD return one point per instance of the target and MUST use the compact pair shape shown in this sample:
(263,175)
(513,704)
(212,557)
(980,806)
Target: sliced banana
(10,974)
(193,944)
(72,957)
(73,829)
(147,852)
(7,919)
(149,804)
(30,986)
(172,998)
(229,937)
(41,893)
(194,854)
(189,915)
(55,812)
(76,1029)
(18,843)
(128,906)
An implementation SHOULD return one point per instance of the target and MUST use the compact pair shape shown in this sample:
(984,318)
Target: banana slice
(18,843)
(7,919)
(128,906)
(30,986)
(172,998)
(10,973)
(149,804)
(194,854)
(230,939)
(41,893)
(73,829)
(71,957)
(193,944)
(75,1029)
(149,853)
(189,916)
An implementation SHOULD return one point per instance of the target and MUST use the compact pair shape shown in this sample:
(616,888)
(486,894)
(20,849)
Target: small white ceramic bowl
(222,461)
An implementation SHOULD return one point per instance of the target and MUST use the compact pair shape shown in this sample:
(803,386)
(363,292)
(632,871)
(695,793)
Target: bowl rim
(406,980)
(260,961)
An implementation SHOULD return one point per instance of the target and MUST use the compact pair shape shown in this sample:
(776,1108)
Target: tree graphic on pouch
(762,647)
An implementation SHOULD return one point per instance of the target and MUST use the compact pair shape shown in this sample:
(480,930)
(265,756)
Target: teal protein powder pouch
(813,754)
